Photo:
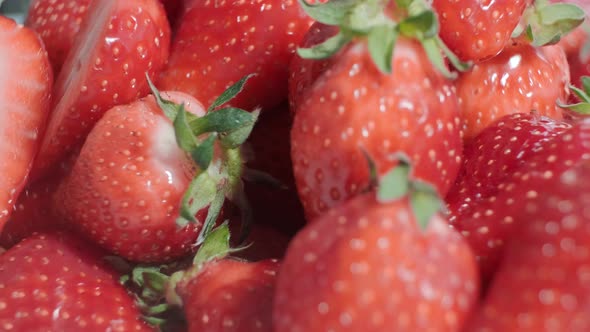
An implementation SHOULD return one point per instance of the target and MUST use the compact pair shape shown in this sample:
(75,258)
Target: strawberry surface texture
(295,165)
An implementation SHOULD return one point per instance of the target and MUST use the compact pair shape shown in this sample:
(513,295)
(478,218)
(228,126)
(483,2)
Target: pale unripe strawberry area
(294,166)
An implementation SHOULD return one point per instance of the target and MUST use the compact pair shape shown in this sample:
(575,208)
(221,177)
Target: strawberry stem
(398,184)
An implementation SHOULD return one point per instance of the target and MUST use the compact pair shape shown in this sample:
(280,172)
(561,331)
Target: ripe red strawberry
(476,30)
(57,23)
(215,293)
(519,80)
(217,43)
(367,265)
(126,186)
(25,85)
(152,179)
(115,48)
(497,162)
(353,106)
(542,282)
(230,295)
(57,282)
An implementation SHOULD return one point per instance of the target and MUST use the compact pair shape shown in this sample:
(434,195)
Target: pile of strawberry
(274,165)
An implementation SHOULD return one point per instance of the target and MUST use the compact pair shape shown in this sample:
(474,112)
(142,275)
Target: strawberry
(216,293)
(353,105)
(384,90)
(217,43)
(118,43)
(57,282)
(521,79)
(502,158)
(145,187)
(476,30)
(25,85)
(367,265)
(57,23)
(129,162)
(542,282)
(230,295)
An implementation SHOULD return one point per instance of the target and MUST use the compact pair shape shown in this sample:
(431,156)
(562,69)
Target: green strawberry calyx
(399,183)
(369,19)
(157,294)
(545,23)
(583,94)
(213,143)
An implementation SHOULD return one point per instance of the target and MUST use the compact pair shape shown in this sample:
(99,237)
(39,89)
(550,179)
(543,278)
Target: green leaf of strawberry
(230,93)
(215,246)
(368,19)
(398,183)
(326,49)
(545,23)
(331,13)
(425,202)
(583,107)
(201,192)
(381,41)
(395,184)
(184,136)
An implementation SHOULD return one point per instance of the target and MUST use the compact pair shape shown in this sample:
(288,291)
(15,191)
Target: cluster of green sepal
(399,183)
(545,23)
(583,94)
(221,131)
(368,18)
(155,286)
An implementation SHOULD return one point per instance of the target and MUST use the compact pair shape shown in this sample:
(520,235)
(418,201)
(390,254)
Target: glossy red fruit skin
(230,295)
(478,30)
(517,148)
(218,43)
(125,189)
(132,38)
(58,282)
(26,81)
(57,23)
(521,79)
(353,106)
(365,266)
(542,282)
